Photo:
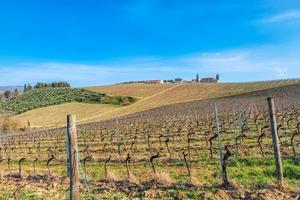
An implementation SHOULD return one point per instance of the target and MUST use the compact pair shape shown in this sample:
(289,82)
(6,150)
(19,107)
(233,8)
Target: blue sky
(96,42)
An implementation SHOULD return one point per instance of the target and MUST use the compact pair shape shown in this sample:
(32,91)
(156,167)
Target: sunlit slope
(53,116)
(175,93)
(153,96)
(146,90)
(134,90)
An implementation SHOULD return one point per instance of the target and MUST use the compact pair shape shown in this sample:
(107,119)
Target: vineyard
(44,97)
(149,96)
(165,153)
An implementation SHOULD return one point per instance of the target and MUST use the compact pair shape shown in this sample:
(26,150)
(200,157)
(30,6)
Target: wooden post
(275,140)
(224,173)
(118,139)
(72,157)
(235,132)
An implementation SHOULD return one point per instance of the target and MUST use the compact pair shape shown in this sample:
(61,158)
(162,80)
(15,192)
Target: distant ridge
(11,88)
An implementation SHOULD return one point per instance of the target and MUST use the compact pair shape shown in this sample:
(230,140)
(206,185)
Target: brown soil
(57,188)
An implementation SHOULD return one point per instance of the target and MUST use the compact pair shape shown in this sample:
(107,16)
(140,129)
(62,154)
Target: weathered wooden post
(118,138)
(235,121)
(224,173)
(72,157)
(275,140)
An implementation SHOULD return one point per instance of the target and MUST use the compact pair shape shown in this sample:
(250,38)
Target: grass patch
(260,173)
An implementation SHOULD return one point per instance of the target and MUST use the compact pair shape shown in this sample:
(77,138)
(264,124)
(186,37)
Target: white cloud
(262,62)
(80,74)
(226,62)
(281,72)
(293,15)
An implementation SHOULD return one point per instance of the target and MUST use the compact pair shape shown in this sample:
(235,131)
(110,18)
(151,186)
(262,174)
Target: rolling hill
(151,96)
(134,90)
(189,91)
(44,97)
(53,116)
(290,93)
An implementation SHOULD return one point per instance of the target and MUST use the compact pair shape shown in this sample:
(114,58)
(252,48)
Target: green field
(44,97)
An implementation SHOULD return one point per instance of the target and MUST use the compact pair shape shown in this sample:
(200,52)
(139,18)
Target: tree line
(28,87)
(10,94)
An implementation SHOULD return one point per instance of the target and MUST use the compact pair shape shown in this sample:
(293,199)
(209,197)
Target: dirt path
(157,94)
(130,106)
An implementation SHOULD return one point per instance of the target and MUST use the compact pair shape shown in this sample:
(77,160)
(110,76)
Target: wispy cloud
(257,63)
(227,61)
(293,15)
(83,74)
(282,72)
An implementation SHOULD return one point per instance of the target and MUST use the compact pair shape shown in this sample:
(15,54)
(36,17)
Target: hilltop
(150,96)
(188,90)
(290,93)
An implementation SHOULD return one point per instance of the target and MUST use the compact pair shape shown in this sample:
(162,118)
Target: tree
(197,78)
(7,94)
(217,77)
(29,87)
(16,93)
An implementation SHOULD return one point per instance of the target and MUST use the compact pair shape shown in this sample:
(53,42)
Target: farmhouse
(178,80)
(155,81)
(208,80)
